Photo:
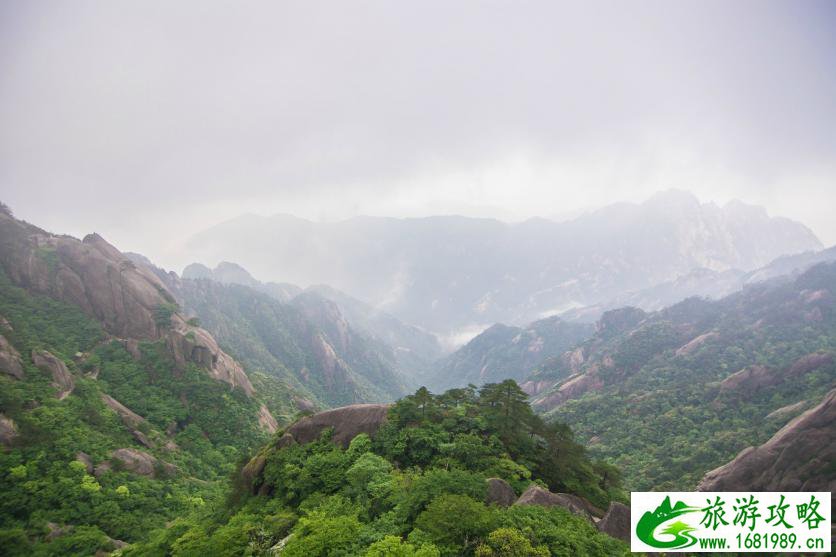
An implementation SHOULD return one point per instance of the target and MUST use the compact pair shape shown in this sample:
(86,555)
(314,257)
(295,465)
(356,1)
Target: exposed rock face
(61,376)
(536,495)
(128,416)
(619,320)
(695,343)
(91,274)
(788,409)
(266,420)
(85,459)
(124,297)
(140,462)
(196,345)
(500,493)
(616,522)
(303,404)
(8,431)
(810,362)
(348,422)
(10,362)
(749,379)
(573,387)
(798,458)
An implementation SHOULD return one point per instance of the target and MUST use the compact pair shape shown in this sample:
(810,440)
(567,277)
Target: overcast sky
(147,121)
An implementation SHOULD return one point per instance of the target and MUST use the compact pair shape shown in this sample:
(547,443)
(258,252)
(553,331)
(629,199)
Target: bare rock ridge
(536,495)
(10,362)
(128,416)
(500,493)
(8,431)
(62,379)
(348,422)
(142,463)
(129,300)
(799,457)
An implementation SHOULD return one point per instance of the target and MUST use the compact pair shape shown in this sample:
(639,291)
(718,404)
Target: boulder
(102,468)
(799,457)
(10,362)
(348,422)
(62,379)
(500,493)
(140,462)
(536,495)
(142,439)
(616,522)
(8,431)
(85,459)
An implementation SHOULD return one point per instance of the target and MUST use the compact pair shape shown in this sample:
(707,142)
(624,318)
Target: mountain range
(452,274)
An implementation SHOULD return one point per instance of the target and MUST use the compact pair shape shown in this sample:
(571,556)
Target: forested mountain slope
(670,395)
(305,342)
(503,352)
(116,414)
(414,349)
(429,476)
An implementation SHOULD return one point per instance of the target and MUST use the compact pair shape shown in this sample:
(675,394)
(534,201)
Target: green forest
(196,429)
(766,355)
(417,488)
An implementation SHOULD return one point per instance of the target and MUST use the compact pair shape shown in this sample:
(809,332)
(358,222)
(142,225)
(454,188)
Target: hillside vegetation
(669,395)
(75,473)
(415,488)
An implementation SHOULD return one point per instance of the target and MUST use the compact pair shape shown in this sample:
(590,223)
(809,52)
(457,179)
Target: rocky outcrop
(142,463)
(8,431)
(784,411)
(500,493)
(195,345)
(536,495)
(749,379)
(62,379)
(85,459)
(10,362)
(799,457)
(573,387)
(616,522)
(348,422)
(266,420)
(695,343)
(128,416)
(129,300)
(810,362)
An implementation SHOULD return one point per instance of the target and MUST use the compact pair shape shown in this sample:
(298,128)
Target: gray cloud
(148,120)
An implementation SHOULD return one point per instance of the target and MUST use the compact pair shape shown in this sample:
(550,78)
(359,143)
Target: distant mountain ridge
(414,349)
(449,273)
(504,352)
(706,283)
(304,342)
(671,394)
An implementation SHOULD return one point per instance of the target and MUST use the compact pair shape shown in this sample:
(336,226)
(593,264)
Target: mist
(148,122)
